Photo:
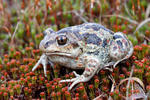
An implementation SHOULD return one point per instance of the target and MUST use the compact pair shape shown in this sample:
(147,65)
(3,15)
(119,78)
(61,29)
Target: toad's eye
(61,40)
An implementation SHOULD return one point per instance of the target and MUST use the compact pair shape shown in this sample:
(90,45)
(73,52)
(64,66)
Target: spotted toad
(88,46)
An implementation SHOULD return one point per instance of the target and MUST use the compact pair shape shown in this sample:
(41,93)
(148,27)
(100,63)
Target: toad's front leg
(44,61)
(91,67)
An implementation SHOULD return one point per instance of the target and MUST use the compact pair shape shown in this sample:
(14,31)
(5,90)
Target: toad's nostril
(46,45)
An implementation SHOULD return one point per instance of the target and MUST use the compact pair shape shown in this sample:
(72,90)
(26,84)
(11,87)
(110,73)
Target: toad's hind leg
(120,48)
(91,68)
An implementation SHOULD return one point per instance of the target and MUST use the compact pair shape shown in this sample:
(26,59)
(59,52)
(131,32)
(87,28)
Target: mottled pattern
(92,38)
(104,42)
(120,43)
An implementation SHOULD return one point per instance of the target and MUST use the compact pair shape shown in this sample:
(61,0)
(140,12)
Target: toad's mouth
(56,53)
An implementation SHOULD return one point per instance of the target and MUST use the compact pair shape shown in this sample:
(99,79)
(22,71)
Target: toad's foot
(43,60)
(91,68)
(76,80)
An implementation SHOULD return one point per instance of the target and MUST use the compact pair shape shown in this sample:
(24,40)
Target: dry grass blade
(100,15)
(129,79)
(139,95)
(113,86)
(141,24)
(77,14)
(139,86)
(6,29)
(114,83)
(126,8)
(12,39)
(125,18)
(148,39)
(134,79)
(136,96)
(98,97)
(147,11)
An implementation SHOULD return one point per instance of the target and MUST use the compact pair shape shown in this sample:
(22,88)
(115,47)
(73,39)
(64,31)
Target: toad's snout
(44,45)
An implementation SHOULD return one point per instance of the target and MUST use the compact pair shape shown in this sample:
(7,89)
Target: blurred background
(22,23)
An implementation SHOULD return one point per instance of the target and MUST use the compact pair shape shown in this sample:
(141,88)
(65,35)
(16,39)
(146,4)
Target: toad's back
(91,33)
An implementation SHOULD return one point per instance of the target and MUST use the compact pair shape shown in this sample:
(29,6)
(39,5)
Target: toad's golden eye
(61,40)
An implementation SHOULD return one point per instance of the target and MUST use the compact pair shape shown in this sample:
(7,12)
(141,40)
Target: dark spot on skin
(81,49)
(111,42)
(75,45)
(117,36)
(120,43)
(126,44)
(102,56)
(114,48)
(89,52)
(111,32)
(94,53)
(104,42)
(91,38)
